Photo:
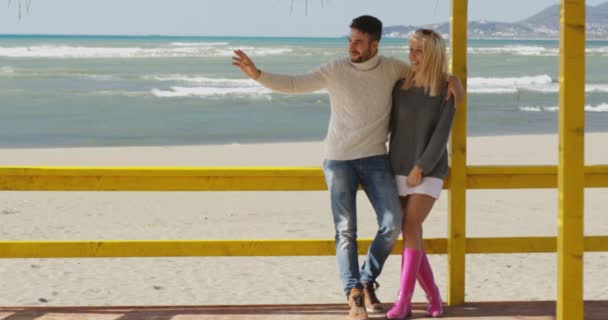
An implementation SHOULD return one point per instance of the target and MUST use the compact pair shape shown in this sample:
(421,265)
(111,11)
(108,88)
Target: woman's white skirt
(430,186)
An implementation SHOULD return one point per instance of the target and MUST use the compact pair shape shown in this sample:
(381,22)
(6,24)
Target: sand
(269,215)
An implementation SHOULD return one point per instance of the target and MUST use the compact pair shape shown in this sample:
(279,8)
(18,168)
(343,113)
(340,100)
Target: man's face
(360,46)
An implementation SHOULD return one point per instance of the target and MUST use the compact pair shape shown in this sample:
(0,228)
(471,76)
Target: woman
(420,127)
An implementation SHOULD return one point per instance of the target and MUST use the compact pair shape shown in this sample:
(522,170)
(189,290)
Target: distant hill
(544,24)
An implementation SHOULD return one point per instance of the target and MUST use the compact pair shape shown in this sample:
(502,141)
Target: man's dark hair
(368,24)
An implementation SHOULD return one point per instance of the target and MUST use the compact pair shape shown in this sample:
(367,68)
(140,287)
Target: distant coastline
(542,25)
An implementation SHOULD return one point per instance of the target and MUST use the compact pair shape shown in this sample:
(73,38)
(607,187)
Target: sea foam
(540,83)
(7,70)
(531,50)
(178,92)
(588,108)
(82,52)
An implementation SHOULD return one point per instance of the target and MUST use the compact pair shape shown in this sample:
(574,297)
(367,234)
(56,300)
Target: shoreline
(261,142)
(491,150)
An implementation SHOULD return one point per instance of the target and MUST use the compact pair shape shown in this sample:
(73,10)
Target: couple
(371,95)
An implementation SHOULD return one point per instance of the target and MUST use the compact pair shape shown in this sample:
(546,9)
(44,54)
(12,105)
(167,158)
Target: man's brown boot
(356,304)
(372,304)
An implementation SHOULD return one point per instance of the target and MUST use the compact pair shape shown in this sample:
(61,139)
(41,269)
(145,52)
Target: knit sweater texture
(360,102)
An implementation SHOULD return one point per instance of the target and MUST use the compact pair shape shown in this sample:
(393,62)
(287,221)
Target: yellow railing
(570,177)
(260,179)
(270,179)
(24,178)
(258,248)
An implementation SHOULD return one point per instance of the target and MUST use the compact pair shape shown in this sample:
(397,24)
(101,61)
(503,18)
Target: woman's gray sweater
(420,128)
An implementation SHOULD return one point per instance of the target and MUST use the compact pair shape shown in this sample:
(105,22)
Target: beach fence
(570,176)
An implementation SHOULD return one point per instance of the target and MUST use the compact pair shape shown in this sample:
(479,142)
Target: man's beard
(363,58)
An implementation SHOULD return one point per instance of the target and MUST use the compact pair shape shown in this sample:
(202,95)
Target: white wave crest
(599,50)
(554,88)
(257,51)
(530,109)
(596,88)
(599,108)
(22,73)
(210,87)
(207,87)
(105,77)
(7,71)
(199,44)
(79,52)
(175,92)
(119,93)
(508,84)
(541,83)
(492,90)
(516,50)
(530,50)
(201,79)
(511,81)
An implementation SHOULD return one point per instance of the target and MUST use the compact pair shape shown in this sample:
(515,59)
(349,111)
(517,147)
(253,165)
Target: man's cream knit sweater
(360,98)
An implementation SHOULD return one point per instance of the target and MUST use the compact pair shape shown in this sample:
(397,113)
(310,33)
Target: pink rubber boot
(402,308)
(427,282)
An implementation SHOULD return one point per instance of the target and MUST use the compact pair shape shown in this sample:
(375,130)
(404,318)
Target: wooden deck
(594,310)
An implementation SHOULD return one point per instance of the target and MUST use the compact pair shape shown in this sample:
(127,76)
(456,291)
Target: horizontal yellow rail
(253,178)
(227,248)
(528,177)
(160,179)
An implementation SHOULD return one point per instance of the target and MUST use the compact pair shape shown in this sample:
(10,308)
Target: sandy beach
(270,215)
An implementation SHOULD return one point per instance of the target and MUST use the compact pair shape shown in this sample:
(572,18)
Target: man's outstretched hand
(241,60)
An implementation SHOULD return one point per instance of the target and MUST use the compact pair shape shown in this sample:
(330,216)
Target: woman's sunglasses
(426,32)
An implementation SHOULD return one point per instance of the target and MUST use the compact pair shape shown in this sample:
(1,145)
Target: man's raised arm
(310,82)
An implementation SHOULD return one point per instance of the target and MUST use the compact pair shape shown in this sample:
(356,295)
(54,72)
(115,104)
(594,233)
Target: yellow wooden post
(458,160)
(570,239)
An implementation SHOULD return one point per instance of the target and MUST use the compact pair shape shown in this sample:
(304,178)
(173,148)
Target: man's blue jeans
(343,179)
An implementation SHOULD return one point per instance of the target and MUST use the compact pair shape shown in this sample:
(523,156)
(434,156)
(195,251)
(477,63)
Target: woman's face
(416,54)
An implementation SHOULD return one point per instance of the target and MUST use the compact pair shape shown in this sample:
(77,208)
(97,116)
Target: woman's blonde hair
(433,72)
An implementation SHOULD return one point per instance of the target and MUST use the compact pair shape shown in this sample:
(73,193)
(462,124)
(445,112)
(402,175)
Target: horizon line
(250,36)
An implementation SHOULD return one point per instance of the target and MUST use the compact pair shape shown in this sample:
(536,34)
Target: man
(355,150)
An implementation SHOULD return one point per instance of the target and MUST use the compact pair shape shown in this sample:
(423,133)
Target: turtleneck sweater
(360,102)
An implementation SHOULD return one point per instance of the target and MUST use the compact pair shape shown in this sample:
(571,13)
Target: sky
(325,18)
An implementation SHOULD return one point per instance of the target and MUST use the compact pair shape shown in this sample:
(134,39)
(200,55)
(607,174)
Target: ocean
(82,91)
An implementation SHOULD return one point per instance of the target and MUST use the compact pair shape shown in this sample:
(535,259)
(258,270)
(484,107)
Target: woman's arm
(436,146)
